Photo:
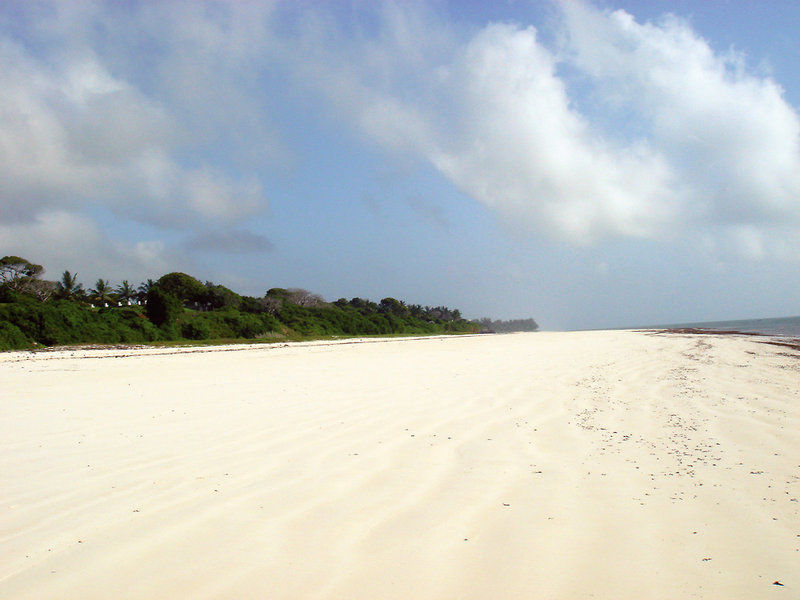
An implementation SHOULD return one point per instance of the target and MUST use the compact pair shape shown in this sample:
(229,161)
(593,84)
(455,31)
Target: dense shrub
(226,324)
(130,324)
(195,330)
(65,322)
(12,338)
(162,307)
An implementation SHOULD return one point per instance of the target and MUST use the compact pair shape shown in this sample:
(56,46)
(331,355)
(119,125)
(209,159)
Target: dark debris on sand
(793,343)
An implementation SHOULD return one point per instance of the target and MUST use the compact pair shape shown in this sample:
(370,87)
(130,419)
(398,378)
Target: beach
(608,464)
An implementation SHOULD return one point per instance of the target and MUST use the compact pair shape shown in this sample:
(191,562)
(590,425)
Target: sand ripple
(563,465)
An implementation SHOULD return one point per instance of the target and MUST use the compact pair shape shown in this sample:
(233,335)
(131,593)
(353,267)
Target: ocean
(783,326)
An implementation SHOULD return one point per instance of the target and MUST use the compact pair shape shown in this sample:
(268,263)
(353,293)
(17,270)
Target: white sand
(548,465)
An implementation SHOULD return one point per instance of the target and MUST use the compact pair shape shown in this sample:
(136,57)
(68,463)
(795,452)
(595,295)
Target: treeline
(36,312)
(490,326)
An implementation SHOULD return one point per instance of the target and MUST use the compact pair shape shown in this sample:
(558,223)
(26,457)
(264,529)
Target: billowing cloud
(621,130)
(523,150)
(729,135)
(72,135)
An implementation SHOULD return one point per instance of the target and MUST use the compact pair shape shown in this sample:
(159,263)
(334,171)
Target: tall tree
(126,292)
(16,272)
(143,289)
(302,297)
(42,288)
(68,287)
(184,287)
(394,306)
(218,296)
(102,293)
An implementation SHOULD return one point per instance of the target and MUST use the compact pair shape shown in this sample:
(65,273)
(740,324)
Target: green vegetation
(177,307)
(489,326)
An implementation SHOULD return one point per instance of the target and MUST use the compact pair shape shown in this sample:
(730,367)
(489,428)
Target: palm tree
(68,287)
(144,287)
(102,293)
(125,292)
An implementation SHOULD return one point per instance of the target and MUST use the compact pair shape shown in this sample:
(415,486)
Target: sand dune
(548,465)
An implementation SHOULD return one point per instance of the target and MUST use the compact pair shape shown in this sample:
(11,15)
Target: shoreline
(124,350)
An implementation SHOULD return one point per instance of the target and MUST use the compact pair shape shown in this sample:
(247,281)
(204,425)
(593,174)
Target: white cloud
(733,243)
(729,135)
(146,113)
(217,198)
(627,130)
(125,110)
(522,149)
(491,114)
(60,240)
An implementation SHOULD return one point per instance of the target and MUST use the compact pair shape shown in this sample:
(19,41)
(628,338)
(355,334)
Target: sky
(587,164)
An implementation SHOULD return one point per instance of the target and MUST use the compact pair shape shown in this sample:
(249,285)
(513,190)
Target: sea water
(783,326)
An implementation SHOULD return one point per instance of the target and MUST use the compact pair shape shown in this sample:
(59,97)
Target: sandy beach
(549,465)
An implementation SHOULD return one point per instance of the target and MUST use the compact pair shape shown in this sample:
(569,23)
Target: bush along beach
(177,307)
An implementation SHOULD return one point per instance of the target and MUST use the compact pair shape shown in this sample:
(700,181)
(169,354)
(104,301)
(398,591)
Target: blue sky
(589,164)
